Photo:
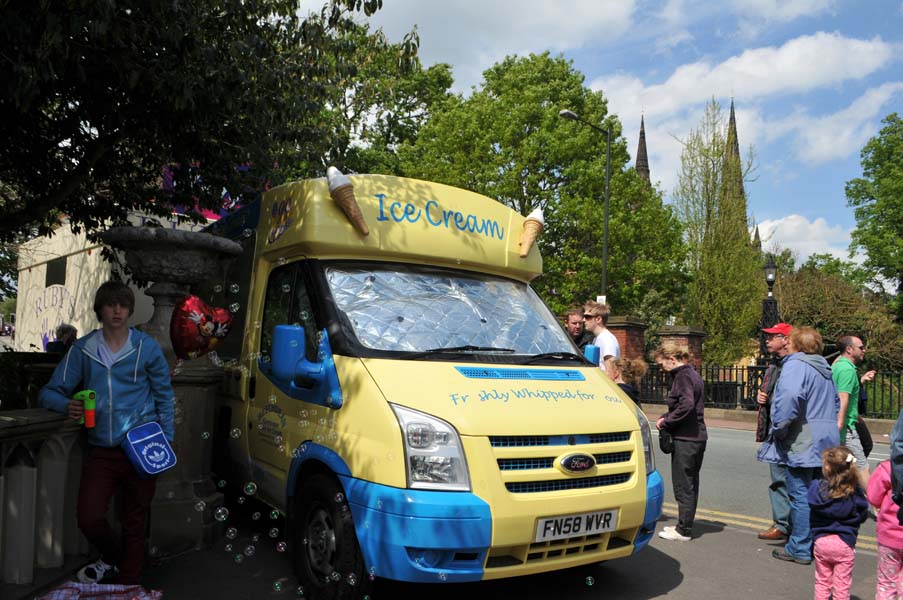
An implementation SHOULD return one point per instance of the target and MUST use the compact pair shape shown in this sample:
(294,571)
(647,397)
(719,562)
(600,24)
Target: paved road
(724,559)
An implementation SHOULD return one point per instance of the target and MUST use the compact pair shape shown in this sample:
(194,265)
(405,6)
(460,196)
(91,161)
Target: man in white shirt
(595,318)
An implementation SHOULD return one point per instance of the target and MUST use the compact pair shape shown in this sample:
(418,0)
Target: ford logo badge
(578,463)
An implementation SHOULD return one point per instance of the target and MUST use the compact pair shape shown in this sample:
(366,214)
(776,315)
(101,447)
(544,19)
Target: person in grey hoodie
(803,425)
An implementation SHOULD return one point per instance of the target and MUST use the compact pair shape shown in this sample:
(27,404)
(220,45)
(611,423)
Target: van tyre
(327,556)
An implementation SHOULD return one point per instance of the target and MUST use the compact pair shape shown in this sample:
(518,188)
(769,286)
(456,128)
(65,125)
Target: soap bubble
(590,581)
(255,538)
(293,343)
(154,550)
(277,586)
(228,547)
(281,260)
(234,307)
(278,439)
(215,359)
(239,558)
(286,288)
(250,488)
(256,324)
(233,289)
(299,591)
(335,576)
(280,547)
(250,550)
(232,533)
(221,483)
(303,413)
(339,497)
(200,506)
(221,513)
(274,514)
(240,500)
(274,533)
(255,516)
(246,233)
(235,433)
(205,435)
(272,399)
(281,449)
(351,579)
(217,288)
(442,576)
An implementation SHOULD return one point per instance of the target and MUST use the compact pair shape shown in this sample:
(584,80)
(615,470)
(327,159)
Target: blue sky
(811,81)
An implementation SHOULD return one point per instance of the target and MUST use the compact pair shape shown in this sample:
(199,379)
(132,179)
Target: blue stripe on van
(528,374)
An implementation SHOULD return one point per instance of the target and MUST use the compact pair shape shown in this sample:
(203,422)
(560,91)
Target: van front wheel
(327,557)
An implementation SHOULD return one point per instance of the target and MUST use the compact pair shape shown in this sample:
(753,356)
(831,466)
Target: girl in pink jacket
(890,535)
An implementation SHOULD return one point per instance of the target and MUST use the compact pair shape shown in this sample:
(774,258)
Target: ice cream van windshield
(408,308)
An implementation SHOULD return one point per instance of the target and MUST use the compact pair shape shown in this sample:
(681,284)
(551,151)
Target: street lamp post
(770,315)
(569,114)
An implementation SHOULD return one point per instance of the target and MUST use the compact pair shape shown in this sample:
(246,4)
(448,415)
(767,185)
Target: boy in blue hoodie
(130,376)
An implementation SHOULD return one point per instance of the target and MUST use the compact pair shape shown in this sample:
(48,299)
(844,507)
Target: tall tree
(507,141)
(382,104)
(98,96)
(726,287)
(877,198)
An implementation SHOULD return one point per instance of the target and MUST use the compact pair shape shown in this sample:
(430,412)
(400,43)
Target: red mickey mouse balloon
(195,328)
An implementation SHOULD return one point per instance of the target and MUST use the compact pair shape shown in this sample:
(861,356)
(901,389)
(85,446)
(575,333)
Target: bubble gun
(88,398)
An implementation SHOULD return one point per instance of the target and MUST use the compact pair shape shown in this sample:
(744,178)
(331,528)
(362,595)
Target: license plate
(559,528)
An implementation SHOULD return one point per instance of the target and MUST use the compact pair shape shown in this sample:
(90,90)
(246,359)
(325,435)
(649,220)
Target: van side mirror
(592,353)
(312,381)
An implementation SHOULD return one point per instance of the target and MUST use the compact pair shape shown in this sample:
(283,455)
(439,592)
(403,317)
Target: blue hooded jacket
(836,516)
(803,413)
(134,391)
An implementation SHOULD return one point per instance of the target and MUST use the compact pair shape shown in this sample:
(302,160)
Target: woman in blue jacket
(803,425)
(130,376)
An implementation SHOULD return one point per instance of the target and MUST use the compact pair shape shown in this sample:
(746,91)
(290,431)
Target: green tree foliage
(507,141)
(877,198)
(98,96)
(826,299)
(382,104)
(726,286)
(858,277)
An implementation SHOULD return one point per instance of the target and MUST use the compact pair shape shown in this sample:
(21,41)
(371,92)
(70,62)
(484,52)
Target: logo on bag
(156,455)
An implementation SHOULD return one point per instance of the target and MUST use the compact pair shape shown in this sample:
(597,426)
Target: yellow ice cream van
(409,402)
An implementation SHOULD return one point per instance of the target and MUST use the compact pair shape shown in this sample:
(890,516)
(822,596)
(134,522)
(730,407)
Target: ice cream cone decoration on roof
(533,226)
(342,191)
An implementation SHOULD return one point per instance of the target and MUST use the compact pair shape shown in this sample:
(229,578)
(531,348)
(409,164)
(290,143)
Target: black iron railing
(736,387)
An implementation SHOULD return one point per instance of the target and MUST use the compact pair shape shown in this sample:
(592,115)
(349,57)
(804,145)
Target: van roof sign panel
(408,219)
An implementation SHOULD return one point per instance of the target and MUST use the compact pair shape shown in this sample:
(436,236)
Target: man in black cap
(777,340)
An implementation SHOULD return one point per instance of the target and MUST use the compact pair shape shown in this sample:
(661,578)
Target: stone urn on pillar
(182,515)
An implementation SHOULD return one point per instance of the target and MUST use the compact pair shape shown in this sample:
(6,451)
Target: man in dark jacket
(574,325)
(803,424)
(777,341)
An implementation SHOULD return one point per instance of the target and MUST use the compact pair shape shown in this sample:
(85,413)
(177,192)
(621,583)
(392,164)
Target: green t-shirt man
(846,379)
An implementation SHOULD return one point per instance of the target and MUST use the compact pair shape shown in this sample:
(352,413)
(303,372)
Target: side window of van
(288,303)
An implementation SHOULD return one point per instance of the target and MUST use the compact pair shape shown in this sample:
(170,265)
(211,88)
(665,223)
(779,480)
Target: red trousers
(104,470)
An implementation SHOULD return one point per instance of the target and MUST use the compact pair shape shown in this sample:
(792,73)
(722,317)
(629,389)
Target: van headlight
(433,452)
(646,432)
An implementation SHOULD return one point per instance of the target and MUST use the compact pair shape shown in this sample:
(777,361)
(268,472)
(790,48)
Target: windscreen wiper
(569,356)
(455,350)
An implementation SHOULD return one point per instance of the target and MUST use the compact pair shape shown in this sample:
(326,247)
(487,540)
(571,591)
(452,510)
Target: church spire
(642,161)
(733,143)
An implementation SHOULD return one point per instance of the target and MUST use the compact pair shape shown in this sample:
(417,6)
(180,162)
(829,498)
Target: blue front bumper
(655,496)
(421,536)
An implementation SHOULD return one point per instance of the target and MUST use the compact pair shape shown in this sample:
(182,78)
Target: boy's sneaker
(671,533)
(96,572)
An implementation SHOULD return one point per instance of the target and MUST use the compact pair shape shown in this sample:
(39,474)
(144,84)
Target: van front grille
(517,441)
(554,485)
(525,464)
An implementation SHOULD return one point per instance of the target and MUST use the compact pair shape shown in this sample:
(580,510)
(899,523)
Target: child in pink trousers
(837,506)
(890,535)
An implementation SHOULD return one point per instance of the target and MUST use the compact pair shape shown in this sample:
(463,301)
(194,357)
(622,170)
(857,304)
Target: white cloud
(800,65)
(472,35)
(782,10)
(805,237)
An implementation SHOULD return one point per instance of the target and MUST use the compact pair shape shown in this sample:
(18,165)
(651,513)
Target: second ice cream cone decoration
(342,192)
(533,226)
